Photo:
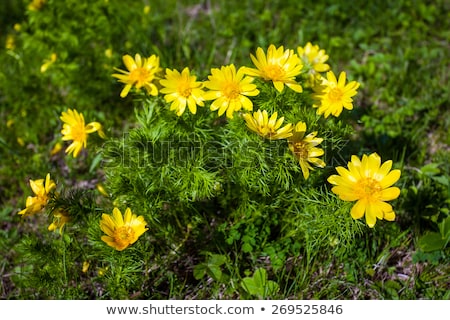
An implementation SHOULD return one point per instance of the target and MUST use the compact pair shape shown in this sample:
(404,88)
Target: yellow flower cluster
(44,190)
(121,231)
(231,89)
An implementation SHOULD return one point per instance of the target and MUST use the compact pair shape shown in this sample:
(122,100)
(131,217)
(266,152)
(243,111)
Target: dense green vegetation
(235,219)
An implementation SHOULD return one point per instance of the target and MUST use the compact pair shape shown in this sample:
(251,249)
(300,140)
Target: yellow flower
(85,267)
(334,95)
(279,66)
(36,5)
(268,128)
(121,231)
(48,62)
(182,89)
(60,218)
(229,90)
(141,73)
(10,43)
(313,59)
(56,148)
(74,129)
(101,189)
(102,271)
(304,148)
(108,53)
(41,190)
(20,141)
(369,184)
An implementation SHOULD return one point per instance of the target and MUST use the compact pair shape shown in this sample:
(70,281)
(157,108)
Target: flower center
(266,131)
(335,94)
(79,132)
(368,188)
(123,236)
(184,89)
(231,90)
(274,72)
(301,149)
(140,75)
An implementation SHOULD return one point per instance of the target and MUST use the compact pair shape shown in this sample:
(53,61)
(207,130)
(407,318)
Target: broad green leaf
(444,228)
(217,259)
(199,271)
(258,285)
(271,288)
(430,169)
(249,285)
(215,272)
(431,242)
(260,277)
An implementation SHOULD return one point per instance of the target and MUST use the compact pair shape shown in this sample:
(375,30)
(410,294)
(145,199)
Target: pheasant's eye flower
(369,184)
(48,62)
(229,90)
(333,95)
(268,128)
(74,129)
(60,218)
(182,89)
(85,267)
(141,73)
(313,59)
(10,42)
(42,191)
(36,5)
(122,231)
(304,148)
(279,66)
(56,148)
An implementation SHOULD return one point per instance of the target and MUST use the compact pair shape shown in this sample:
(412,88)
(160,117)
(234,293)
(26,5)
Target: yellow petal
(374,162)
(342,77)
(278,85)
(345,193)
(107,225)
(296,87)
(125,91)
(383,171)
(118,218)
(305,169)
(49,184)
(390,216)
(129,62)
(390,179)
(127,217)
(331,77)
(92,127)
(348,176)
(300,127)
(390,194)
(37,186)
(358,209)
